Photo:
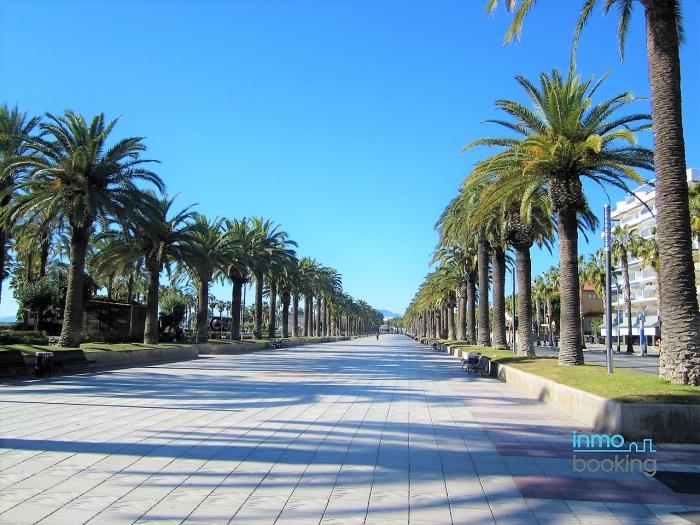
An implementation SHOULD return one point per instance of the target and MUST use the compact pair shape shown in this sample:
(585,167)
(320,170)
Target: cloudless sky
(341,120)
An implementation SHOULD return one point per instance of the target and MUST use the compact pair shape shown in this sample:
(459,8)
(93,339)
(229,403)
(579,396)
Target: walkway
(358,432)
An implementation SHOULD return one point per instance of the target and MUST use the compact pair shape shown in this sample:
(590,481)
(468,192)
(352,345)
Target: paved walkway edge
(664,423)
(127,358)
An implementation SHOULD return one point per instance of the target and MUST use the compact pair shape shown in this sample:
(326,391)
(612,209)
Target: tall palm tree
(679,361)
(270,247)
(241,238)
(526,219)
(648,252)
(565,139)
(308,276)
(281,264)
(156,236)
(593,272)
(626,244)
(204,254)
(16,130)
(77,175)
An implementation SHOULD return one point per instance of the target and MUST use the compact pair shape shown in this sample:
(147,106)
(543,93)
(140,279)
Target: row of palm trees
(65,176)
(530,192)
(680,356)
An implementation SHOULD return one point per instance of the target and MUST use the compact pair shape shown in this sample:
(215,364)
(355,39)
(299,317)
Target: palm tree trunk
(3,255)
(258,324)
(295,315)
(538,318)
(236,309)
(286,297)
(498,257)
(272,326)
(43,256)
(451,322)
(627,297)
(202,311)
(524,266)
(150,331)
(462,311)
(471,310)
(679,360)
(484,336)
(307,315)
(73,310)
(570,351)
(318,317)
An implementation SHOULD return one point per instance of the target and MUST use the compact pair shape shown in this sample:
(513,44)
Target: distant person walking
(377,335)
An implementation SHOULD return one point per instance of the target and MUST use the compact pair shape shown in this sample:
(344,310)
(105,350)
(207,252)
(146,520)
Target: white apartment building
(634,211)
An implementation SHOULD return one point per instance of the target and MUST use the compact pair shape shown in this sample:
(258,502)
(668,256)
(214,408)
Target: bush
(26,337)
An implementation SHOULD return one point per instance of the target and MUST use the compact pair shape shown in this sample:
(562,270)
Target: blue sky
(341,120)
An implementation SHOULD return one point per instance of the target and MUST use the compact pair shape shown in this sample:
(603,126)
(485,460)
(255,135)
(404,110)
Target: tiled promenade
(358,432)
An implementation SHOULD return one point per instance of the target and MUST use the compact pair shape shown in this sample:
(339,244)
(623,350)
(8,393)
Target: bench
(77,358)
(472,359)
(481,367)
(12,362)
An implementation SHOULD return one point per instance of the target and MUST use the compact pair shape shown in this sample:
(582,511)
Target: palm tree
(648,252)
(679,360)
(526,219)
(593,272)
(625,244)
(308,276)
(75,174)
(271,247)
(283,262)
(241,237)
(566,139)
(538,295)
(155,236)
(16,130)
(204,254)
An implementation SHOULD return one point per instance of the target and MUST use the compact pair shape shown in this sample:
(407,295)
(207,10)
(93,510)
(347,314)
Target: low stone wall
(662,422)
(106,359)
(126,358)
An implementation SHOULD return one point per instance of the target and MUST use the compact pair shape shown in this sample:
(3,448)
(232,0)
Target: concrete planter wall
(661,422)
(105,359)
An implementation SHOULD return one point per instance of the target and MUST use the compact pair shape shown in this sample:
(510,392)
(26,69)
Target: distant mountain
(8,319)
(388,314)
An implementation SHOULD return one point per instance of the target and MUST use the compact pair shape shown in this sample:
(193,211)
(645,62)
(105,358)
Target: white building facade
(638,211)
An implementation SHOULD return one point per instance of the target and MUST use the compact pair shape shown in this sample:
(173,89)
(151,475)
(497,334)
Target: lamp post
(642,336)
(617,314)
(608,299)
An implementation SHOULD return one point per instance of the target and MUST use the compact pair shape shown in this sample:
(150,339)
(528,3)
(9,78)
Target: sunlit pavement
(355,432)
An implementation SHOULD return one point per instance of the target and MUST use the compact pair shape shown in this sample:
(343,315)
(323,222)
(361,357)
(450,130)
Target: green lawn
(108,347)
(625,385)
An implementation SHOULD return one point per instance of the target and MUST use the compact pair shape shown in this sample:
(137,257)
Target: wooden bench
(12,362)
(77,358)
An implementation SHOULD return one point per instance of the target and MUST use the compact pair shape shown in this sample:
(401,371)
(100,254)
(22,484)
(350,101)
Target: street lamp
(617,313)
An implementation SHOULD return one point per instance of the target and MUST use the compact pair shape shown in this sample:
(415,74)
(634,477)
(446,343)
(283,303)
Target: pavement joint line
(166,465)
(379,446)
(283,409)
(199,416)
(340,468)
(111,421)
